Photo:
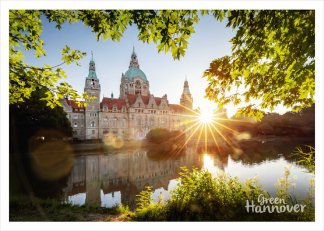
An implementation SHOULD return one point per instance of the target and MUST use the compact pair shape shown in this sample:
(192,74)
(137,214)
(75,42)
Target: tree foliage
(272,60)
(32,119)
(170,30)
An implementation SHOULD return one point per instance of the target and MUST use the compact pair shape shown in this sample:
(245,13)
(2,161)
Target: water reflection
(108,180)
(120,177)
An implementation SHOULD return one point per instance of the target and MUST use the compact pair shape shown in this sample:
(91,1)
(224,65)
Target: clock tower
(92,88)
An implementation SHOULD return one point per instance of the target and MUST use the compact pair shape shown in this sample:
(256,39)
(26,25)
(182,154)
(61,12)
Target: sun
(206,115)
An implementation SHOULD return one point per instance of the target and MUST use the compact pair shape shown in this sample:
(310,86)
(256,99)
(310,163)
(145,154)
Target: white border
(133,4)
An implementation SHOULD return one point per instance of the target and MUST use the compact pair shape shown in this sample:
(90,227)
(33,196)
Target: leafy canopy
(170,30)
(272,60)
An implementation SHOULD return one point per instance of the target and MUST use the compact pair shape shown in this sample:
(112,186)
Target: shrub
(162,135)
(202,197)
(306,157)
(157,135)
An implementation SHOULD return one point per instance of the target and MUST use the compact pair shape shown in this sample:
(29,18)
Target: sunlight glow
(230,110)
(208,162)
(210,166)
(206,116)
(207,129)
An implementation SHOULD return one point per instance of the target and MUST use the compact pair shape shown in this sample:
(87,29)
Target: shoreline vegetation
(198,197)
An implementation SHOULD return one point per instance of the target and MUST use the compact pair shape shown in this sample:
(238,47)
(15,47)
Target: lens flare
(206,116)
(210,128)
(114,141)
(52,158)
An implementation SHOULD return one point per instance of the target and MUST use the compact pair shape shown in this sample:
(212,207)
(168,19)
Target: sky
(165,75)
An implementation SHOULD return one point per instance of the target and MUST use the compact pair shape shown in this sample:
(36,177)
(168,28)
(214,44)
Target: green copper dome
(92,70)
(133,72)
(92,75)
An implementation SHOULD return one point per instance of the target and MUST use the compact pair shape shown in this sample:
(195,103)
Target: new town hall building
(130,116)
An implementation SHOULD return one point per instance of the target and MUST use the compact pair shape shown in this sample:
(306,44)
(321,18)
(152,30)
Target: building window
(114,109)
(114,122)
(137,87)
(152,121)
(138,121)
(92,124)
(75,116)
(75,125)
(93,132)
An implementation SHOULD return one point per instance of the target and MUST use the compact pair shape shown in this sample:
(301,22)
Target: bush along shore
(202,197)
(198,197)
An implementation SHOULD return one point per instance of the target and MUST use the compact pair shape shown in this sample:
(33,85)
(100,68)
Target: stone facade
(132,115)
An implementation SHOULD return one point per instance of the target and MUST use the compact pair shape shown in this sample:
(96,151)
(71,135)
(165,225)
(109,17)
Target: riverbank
(23,208)
(96,147)
(88,148)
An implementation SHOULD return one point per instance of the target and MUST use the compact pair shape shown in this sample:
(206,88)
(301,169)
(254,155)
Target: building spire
(134,61)
(92,69)
(186,97)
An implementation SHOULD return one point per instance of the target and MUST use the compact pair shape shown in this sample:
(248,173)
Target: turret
(134,61)
(186,97)
(92,88)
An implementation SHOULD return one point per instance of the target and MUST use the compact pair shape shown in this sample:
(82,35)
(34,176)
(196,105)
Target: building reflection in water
(107,180)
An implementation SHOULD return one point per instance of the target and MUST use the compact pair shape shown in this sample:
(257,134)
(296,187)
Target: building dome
(134,72)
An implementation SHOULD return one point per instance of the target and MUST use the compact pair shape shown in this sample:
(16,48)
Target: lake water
(109,179)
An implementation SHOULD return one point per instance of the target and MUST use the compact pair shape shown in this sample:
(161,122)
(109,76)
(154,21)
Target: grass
(23,208)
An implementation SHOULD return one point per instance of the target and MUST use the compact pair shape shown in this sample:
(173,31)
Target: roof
(134,72)
(145,99)
(176,107)
(92,70)
(111,102)
(119,103)
(92,75)
(74,104)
